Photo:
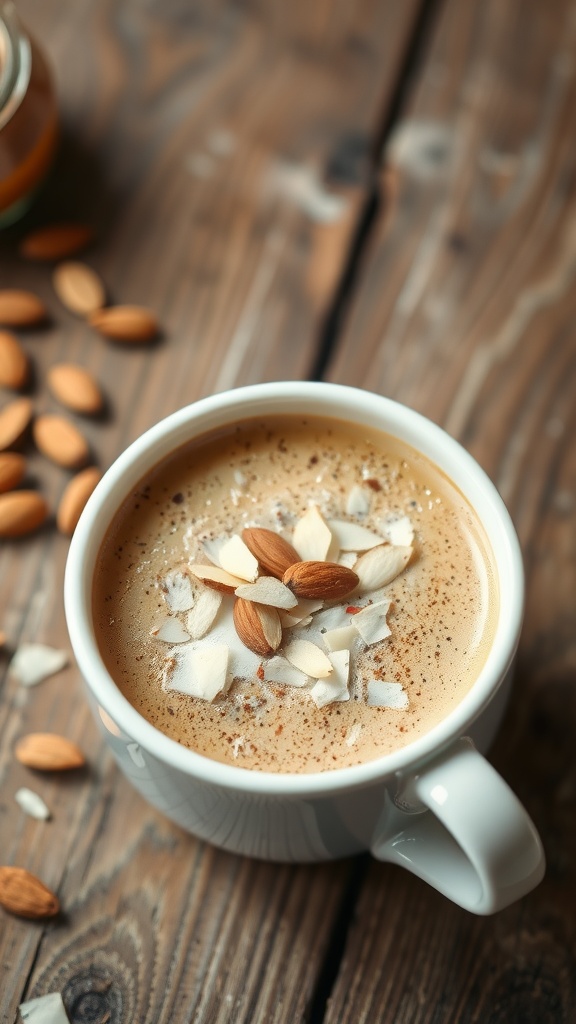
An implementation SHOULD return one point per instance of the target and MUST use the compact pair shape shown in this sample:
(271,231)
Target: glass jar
(28,117)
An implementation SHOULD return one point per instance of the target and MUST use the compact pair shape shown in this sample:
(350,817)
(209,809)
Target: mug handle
(478,846)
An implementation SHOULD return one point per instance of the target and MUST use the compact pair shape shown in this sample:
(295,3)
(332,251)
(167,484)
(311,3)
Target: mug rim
(320,398)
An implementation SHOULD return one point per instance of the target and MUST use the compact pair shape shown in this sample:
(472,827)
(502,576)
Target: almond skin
(126,323)
(14,367)
(21,512)
(75,387)
(55,241)
(78,287)
(12,470)
(326,580)
(74,499)
(25,895)
(275,555)
(19,308)
(60,441)
(48,752)
(258,626)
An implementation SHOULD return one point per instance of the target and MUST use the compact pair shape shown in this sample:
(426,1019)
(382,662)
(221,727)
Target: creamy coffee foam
(442,617)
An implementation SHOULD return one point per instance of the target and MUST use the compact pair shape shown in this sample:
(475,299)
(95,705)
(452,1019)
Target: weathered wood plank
(222,153)
(466,310)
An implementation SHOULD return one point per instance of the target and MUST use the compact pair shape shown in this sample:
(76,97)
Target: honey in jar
(28,117)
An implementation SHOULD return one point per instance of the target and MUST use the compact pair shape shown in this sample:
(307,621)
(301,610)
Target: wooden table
(382,194)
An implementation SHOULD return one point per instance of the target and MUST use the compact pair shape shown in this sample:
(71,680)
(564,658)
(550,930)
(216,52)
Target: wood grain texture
(465,309)
(221,152)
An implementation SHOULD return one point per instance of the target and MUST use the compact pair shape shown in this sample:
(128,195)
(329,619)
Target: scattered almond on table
(20,308)
(25,895)
(48,752)
(78,287)
(125,323)
(75,387)
(60,441)
(55,241)
(14,366)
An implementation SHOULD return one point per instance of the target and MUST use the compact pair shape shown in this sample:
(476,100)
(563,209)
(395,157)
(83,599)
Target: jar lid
(15,62)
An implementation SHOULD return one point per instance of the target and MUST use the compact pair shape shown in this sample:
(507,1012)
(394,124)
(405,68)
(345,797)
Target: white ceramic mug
(436,806)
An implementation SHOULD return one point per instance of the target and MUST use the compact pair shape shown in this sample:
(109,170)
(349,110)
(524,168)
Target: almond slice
(273,552)
(258,626)
(326,580)
(237,559)
(203,612)
(279,670)
(353,734)
(268,590)
(382,694)
(353,537)
(215,577)
(177,590)
(309,658)
(370,622)
(334,689)
(198,671)
(340,639)
(379,566)
(294,621)
(171,631)
(312,536)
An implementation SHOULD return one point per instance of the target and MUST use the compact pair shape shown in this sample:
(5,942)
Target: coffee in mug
(341,678)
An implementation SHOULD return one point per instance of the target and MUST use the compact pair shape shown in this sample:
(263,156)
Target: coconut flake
(379,566)
(309,658)
(203,612)
(268,590)
(197,671)
(31,663)
(236,558)
(340,639)
(279,670)
(352,536)
(334,689)
(400,532)
(32,804)
(358,501)
(47,1009)
(177,590)
(383,694)
(312,536)
(353,734)
(370,622)
(171,631)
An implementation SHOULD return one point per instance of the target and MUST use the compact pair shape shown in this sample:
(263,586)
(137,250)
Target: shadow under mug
(436,807)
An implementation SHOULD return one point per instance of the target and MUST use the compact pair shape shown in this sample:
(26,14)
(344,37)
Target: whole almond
(78,287)
(326,580)
(125,323)
(14,419)
(55,241)
(74,499)
(61,441)
(48,752)
(258,626)
(14,366)
(25,895)
(21,512)
(75,387)
(274,554)
(12,470)
(20,308)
